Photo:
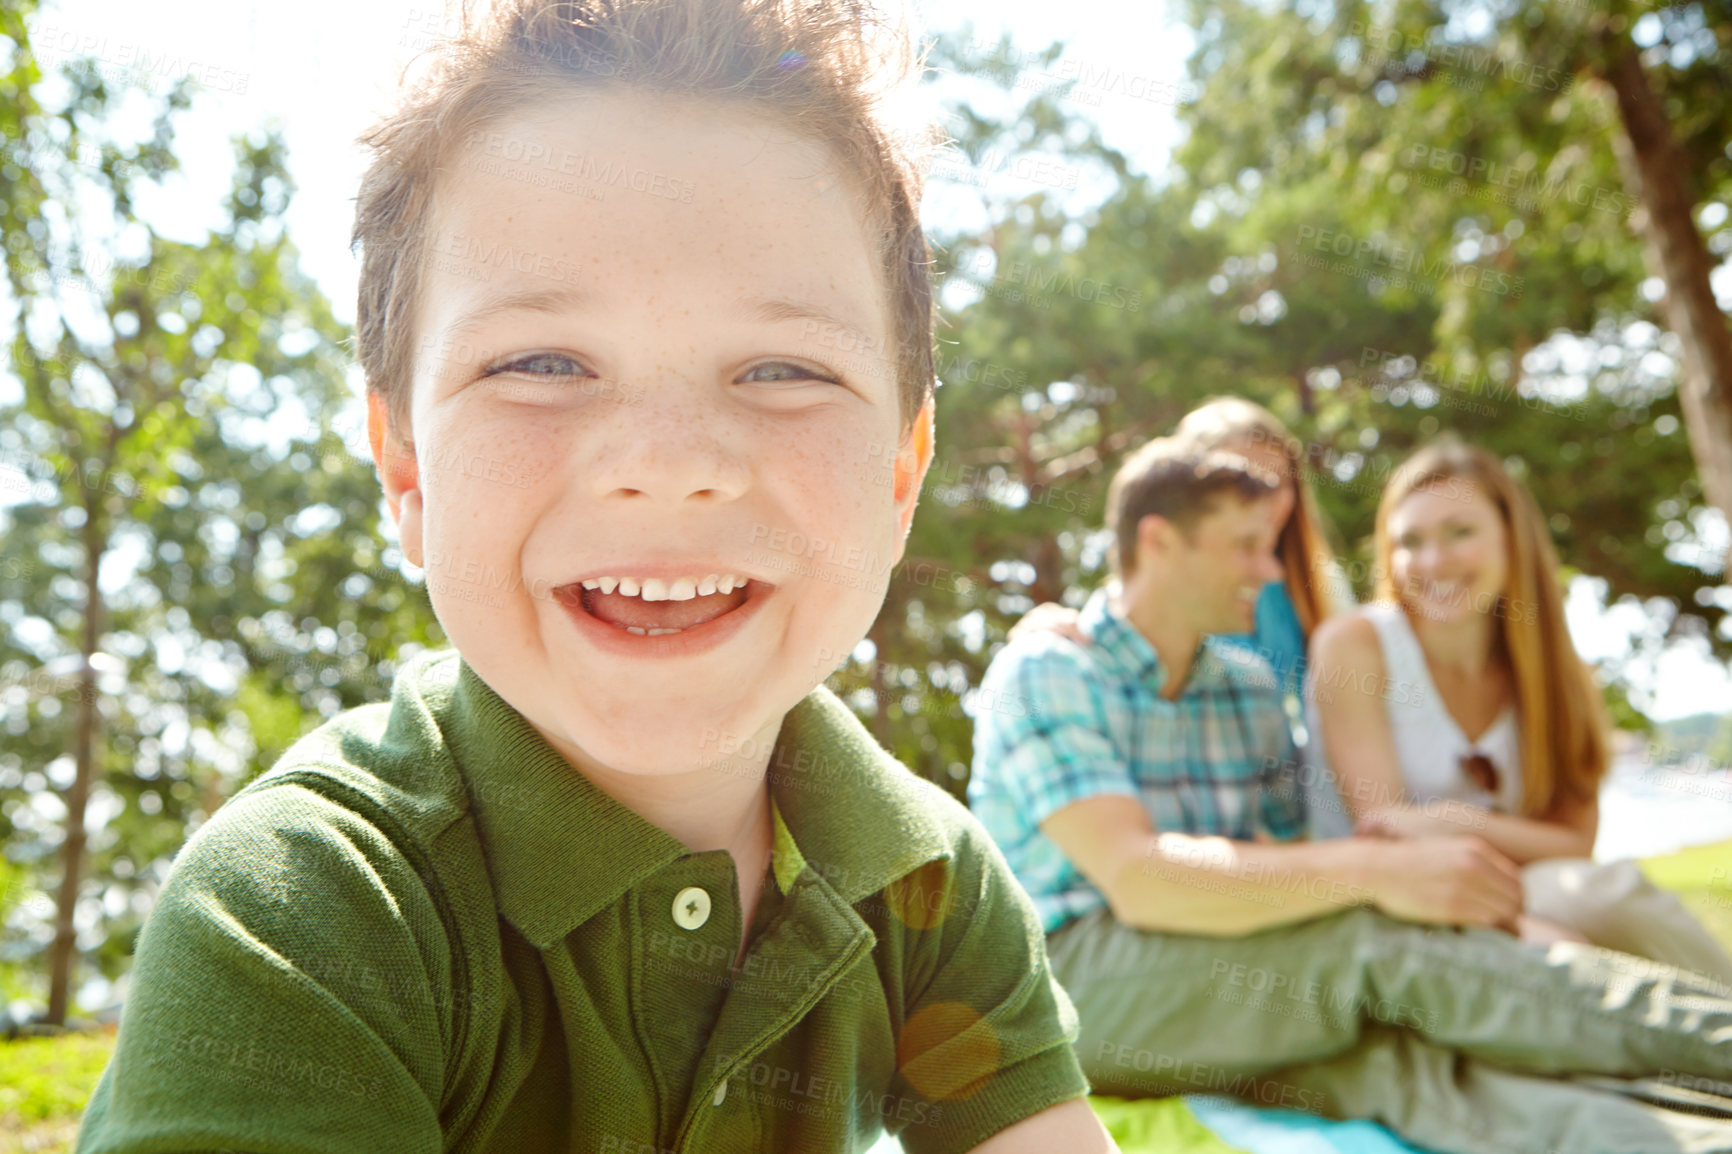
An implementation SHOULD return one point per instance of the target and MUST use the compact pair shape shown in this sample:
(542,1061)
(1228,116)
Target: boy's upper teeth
(663,589)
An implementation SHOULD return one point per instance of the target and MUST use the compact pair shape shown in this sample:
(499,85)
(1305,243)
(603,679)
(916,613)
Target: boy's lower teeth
(651,632)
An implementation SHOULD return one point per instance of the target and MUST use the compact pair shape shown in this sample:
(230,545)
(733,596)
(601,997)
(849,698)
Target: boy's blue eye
(788,371)
(542,365)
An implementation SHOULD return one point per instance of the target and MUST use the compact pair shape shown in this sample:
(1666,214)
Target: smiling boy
(548,896)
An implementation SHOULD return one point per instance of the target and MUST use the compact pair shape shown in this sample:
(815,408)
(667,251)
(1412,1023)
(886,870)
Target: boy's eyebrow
(554,300)
(772,309)
(557,300)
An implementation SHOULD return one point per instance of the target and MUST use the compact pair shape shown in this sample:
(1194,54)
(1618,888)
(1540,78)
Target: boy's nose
(672,449)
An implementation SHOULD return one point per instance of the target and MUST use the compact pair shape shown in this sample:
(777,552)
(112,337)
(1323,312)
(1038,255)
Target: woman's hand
(1050,617)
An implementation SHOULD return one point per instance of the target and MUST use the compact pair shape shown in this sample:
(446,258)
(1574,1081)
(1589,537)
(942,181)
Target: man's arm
(1069,1126)
(1213,885)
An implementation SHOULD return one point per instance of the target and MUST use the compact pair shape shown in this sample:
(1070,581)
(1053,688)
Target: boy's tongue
(618,609)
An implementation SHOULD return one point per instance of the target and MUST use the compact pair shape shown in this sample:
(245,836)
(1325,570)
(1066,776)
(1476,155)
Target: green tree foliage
(1381,223)
(1461,158)
(176,429)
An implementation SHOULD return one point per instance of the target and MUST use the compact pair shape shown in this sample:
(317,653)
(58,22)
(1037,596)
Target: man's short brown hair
(821,67)
(1175,479)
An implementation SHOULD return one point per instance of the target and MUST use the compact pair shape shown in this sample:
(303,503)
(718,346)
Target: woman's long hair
(1311,575)
(1563,723)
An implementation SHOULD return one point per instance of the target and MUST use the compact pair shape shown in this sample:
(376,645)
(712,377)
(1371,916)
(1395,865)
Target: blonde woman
(1457,703)
(1312,586)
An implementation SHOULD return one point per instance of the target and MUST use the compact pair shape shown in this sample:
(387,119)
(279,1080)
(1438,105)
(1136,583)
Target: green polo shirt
(422,930)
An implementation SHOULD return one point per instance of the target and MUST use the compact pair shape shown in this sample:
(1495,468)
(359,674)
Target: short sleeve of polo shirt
(283,993)
(1044,733)
(988,1037)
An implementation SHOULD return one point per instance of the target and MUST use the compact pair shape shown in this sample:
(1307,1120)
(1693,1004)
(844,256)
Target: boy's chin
(658,741)
(716,749)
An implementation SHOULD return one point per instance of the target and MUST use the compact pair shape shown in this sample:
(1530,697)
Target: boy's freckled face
(666,405)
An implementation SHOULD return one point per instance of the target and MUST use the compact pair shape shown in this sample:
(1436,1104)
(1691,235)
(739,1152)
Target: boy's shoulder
(388,761)
(861,817)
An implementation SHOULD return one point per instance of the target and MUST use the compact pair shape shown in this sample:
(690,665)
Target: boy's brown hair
(1171,477)
(820,66)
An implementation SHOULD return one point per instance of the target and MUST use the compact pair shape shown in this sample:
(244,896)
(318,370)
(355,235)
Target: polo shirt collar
(861,819)
(561,850)
(1124,651)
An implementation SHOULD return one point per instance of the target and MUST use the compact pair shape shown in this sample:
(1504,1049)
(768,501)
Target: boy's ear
(398,475)
(913,457)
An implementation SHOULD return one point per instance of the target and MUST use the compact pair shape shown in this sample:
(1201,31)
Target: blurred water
(1647,809)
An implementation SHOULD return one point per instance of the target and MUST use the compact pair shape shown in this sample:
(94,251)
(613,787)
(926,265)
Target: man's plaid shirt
(1057,722)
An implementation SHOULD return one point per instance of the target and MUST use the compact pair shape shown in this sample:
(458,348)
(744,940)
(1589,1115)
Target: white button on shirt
(691,908)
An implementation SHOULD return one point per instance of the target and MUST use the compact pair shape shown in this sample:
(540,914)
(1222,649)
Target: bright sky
(321,67)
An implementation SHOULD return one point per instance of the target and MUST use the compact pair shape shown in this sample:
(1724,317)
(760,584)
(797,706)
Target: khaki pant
(1614,905)
(1459,1040)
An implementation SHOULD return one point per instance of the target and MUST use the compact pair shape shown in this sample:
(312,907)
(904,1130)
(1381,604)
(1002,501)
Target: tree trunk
(63,951)
(1657,174)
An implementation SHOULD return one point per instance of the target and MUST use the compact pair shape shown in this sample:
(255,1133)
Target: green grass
(1701,876)
(44,1083)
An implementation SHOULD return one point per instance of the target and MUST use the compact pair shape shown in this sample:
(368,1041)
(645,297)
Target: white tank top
(1429,742)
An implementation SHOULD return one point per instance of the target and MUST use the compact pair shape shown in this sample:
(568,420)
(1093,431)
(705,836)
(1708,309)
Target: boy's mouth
(657,606)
